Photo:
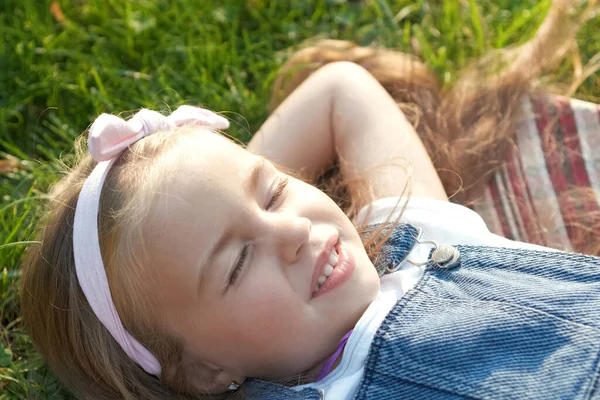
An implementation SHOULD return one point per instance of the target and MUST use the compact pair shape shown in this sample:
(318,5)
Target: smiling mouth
(336,271)
(328,268)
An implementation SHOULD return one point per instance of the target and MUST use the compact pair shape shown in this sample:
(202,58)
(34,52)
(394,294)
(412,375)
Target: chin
(369,286)
(364,293)
(369,277)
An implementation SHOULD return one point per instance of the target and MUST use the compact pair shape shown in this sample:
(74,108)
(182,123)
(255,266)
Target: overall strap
(396,248)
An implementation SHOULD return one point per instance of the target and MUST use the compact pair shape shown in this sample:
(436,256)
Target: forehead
(206,154)
(203,163)
(203,190)
(204,169)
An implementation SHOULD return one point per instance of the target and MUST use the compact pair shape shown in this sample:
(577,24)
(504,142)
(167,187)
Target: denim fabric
(396,247)
(256,389)
(502,324)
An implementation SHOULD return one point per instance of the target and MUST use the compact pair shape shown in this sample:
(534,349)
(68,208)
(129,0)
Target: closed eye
(235,273)
(281,185)
(237,269)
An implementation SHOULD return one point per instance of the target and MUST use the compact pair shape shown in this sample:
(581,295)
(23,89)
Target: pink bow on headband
(110,135)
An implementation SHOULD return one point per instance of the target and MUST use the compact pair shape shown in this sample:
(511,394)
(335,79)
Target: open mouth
(337,269)
(329,267)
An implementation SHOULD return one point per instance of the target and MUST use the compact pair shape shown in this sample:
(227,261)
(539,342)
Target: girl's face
(238,249)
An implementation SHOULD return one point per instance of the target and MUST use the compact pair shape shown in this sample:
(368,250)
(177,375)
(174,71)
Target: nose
(290,234)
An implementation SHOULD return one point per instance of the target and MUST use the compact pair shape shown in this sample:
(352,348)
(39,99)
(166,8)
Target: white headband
(109,136)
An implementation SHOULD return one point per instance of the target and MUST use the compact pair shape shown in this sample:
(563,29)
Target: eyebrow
(257,170)
(250,189)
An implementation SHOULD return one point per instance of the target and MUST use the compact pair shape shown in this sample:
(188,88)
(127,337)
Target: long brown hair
(467,128)
(470,124)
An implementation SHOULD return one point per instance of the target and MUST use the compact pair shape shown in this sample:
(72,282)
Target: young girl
(176,264)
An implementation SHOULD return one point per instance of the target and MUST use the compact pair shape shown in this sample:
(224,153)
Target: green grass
(57,73)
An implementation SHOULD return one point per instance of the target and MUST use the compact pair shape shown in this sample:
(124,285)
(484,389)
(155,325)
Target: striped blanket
(548,191)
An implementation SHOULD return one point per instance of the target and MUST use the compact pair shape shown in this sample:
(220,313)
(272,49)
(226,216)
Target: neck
(311,375)
(331,362)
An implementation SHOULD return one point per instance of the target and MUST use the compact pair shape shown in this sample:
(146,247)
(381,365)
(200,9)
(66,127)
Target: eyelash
(239,264)
(281,185)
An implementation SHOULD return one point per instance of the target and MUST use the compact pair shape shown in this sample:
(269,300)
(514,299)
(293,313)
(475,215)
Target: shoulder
(438,220)
(418,210)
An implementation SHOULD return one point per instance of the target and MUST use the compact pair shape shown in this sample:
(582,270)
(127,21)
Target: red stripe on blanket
(554,161)
(522,193)
(573,153)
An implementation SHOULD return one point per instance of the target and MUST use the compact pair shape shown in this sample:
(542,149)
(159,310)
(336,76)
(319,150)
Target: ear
(202,376)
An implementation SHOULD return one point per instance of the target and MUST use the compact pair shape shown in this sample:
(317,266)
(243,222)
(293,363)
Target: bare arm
(342,111)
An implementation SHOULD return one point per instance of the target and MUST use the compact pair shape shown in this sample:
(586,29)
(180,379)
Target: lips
(341,273)
(323,261)
(328,269)
(336,276)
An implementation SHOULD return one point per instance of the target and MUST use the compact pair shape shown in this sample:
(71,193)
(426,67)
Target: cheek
(269,317)
(265,290)
(267,296)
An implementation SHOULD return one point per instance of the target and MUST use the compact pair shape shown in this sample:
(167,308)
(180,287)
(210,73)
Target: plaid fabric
(532,198)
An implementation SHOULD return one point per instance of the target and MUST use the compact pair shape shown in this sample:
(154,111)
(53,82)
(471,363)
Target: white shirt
(440,221)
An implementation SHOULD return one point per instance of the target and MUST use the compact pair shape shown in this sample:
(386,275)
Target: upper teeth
(328,269)
(333,258)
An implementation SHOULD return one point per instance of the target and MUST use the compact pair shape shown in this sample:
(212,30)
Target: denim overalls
(496,324)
